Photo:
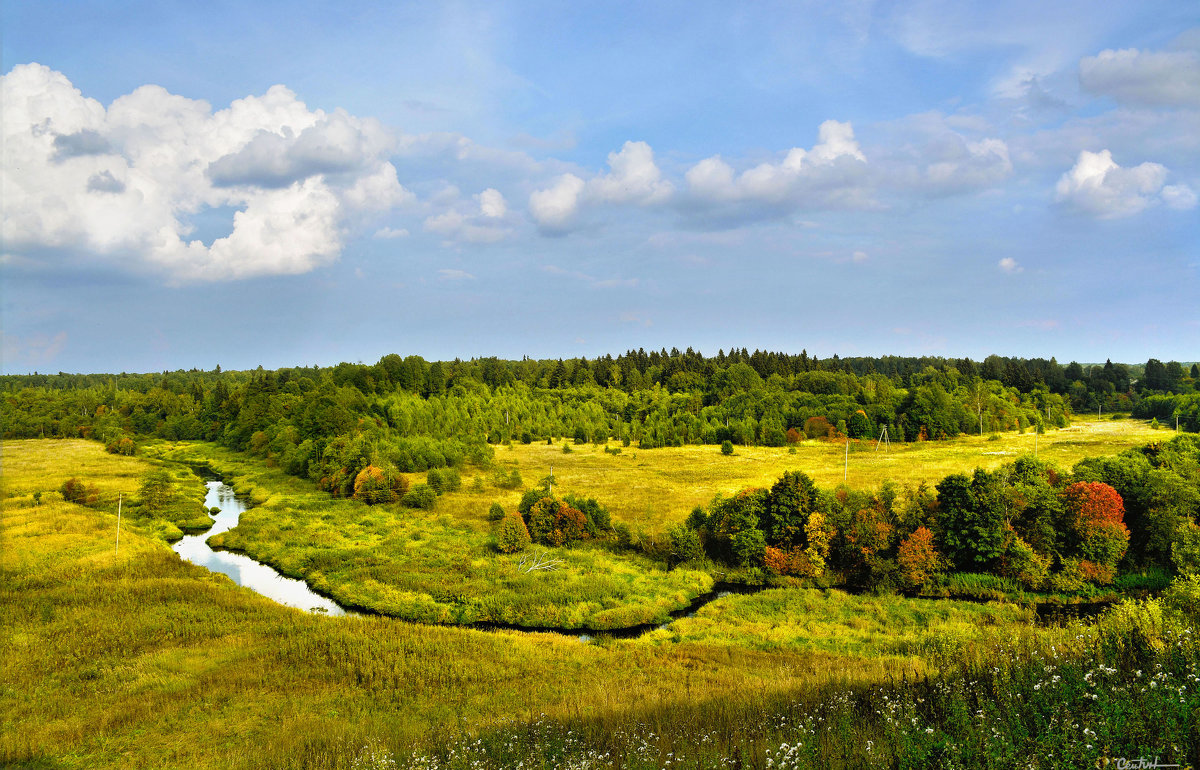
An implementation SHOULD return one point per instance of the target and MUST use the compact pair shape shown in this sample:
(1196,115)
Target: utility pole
(118,548)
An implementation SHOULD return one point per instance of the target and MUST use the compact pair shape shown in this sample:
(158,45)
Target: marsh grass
(143,660)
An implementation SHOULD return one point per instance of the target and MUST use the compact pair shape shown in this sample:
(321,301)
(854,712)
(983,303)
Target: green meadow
(136,659)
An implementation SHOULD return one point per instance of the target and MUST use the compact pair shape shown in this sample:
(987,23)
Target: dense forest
(409,414)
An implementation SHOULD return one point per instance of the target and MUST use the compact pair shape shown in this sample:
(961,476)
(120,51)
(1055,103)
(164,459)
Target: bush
(122,446)
(685,544)
(496,512)
(374,485)
(512,535)
(567,449)
(74,490)
(444,480)
(421,496)
(156,491)
(726,447)
(507,480)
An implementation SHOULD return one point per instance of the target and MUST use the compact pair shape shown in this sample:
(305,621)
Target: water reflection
(242,569)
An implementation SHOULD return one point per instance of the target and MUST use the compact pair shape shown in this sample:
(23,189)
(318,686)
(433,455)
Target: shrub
(444,480)
(1185,550)
(555,523)
(726,447)
(794,436)
(122,446)
(496,512)
(512,535)
(567,449)
(1021,563)
(74,490)
(685,544)
(156,491)
(421,496)
(374,485)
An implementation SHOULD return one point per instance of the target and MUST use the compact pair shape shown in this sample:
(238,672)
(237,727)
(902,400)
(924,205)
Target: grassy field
(142,660)
(657,487)
(440,566)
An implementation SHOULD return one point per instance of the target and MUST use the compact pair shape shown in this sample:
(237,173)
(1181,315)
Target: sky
(187,185)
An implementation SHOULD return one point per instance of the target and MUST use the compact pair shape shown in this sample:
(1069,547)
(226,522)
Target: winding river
(295,593)
(242,569)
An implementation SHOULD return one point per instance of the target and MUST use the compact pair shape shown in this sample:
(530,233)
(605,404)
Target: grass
(655,488)
(440,566)
(141,660)
(837,622)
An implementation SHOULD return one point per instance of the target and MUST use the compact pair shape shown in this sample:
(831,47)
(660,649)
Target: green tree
(157,491)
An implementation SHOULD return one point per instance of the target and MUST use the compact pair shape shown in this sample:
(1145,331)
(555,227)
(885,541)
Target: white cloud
(1144,78)
(633,178)
(820,176)
(492,204)
(858,257)
(971,165)
(1179,197)
(450,274)
(555,207)
(1009,265)
(122,183)
(1097,186)
(479,222)
(388,232)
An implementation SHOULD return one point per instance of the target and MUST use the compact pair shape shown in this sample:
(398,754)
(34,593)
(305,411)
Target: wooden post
(118,549)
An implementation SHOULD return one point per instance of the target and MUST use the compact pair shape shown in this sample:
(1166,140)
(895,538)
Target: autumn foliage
(1097,514)
(374,485)
(917,558)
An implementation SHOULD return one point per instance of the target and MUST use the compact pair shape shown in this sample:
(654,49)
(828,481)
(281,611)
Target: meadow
(138,659)
(441,565)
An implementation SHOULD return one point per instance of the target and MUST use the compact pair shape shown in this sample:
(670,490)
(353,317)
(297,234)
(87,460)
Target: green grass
(441,566)
(837,622)
(430,566)
(141,660)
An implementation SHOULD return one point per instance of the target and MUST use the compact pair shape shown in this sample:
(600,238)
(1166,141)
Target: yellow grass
(658,487)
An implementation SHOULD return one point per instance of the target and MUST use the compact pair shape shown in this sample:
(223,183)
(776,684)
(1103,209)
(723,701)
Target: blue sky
(187,185)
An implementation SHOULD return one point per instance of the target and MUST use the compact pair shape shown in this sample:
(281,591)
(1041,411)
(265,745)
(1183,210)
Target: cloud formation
(1144,78)
(481,221)
(123,182)
(830,175)
(633,178)
(1098,187)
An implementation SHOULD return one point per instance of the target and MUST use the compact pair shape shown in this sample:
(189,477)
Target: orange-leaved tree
(918,558)
(1097,515)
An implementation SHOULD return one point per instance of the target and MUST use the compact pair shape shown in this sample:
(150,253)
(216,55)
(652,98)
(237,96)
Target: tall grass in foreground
(1127,689)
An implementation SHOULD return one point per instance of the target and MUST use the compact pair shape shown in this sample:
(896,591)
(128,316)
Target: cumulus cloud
(1098,187)
(1144,78)
(388,232)
(555,207)
(483,220)
(633,178)
(123,182)
(825,175)
(1010,265)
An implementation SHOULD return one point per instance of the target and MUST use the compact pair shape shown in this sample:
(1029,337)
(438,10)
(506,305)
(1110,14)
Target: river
(242,569)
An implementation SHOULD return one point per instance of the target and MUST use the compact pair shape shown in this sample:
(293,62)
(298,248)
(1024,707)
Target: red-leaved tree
(1097,515)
